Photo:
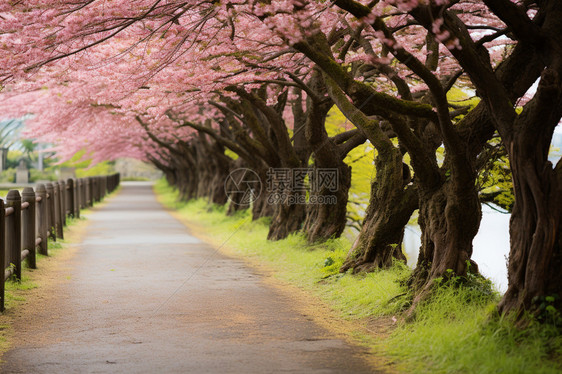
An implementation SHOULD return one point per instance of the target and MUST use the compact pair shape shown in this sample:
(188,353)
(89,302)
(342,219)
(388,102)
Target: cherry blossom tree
(536,222)
(535,243)
(232,62)
(449,206)
(180,82)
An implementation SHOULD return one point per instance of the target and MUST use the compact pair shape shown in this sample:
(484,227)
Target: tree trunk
(186,180)
(390,207)
(235,200)
(535,259)
(327,206)
(220,166)
(262,206)
(449,218)
(218,193)
(289,213)
(204,176)
(330,180)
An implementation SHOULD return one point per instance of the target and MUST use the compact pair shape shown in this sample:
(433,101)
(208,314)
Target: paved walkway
(145,296)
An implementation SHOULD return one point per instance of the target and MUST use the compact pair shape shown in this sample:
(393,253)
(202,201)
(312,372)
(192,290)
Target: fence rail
(29,219)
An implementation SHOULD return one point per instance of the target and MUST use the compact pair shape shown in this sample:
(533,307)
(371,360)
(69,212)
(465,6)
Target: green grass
(457,331)
(11,294)
(12,287)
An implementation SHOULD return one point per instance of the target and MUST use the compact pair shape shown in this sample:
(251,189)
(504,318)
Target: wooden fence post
(98,189)
(29,235)
(70,197)
(51,226)
(76,199)
(58,213)
(103,186)
(100,194)
(42,218)
(94,190)
(13,232)
(89,200)
(115,183)
(62,201)
(83,201)
(78,184)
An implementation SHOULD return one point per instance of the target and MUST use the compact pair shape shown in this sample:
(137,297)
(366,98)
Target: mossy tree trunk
(535,257)
(449,218)
(381,237)
(289,214)
(326,211)
(330,179)
(393,200)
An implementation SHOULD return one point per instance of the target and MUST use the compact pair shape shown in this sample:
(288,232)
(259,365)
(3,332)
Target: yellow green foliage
(457,96)
(231,154)
(496,181)
(84,167)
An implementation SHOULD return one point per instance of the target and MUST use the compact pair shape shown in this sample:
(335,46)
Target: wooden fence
(29,219)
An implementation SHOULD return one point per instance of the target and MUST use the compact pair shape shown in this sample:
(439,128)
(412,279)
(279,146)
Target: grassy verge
(456,332)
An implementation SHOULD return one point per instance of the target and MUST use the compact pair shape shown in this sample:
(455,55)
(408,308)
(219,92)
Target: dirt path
(142,295)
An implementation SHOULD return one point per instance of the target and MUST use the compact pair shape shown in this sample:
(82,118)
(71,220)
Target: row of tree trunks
(197,169)
(443,203)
